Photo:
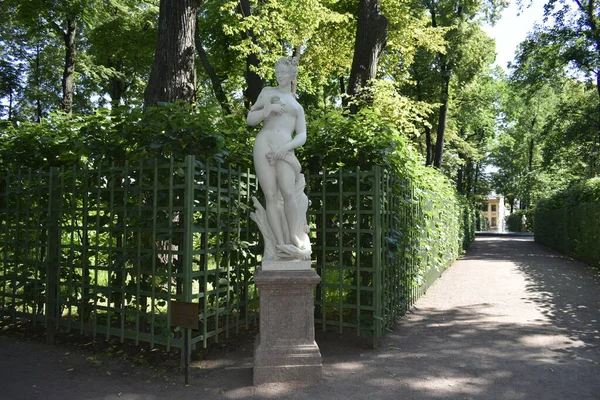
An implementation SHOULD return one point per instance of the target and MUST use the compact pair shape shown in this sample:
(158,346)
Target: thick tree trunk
(371,36)
(173,75)
(254,83)
(215,81)
(68,81)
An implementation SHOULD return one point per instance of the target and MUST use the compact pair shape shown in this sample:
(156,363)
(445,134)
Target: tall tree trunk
(371,36)
(117,86)
(296,55)
(38,84)
(173,75)
(215,81)
(342,86)
(459,179)
(443,113)
(476,179)
(10,105)
(469,179)
(68,80)
(429,146)
(254,83)
(530,155)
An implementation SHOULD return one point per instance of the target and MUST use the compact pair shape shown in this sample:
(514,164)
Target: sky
(513,28)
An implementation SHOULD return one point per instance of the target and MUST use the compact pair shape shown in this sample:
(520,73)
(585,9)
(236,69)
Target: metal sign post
(185,315)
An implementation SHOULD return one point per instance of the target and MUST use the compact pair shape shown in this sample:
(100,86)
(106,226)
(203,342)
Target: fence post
(188,224)
(53,255)
(377,286)
(188,242)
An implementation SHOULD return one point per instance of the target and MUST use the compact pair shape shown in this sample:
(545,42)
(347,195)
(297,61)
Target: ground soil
(510,320)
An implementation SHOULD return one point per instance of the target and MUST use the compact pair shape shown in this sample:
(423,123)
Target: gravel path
(511,320)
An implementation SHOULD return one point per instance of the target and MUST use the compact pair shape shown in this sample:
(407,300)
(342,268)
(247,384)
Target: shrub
(568,221)
(514,221)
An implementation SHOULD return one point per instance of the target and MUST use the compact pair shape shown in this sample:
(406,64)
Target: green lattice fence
(571,230)
(103,251)
(379,243)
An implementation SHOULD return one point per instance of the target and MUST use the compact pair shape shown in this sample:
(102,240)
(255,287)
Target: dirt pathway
(511,320)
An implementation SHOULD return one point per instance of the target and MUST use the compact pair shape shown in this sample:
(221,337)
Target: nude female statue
(276,165)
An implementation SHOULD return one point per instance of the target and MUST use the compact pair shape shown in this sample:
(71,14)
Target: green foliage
(583,192)
(172,130)
(121,50)
(568,221)
(432,224)
(364,140)
(514,221)
(546,139)
(112,238)
(438,76)
(564,55)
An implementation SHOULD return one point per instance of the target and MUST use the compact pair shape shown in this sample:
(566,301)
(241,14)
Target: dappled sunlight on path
(510,320)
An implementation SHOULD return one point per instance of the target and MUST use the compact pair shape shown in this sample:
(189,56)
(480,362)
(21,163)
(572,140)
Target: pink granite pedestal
(285,348)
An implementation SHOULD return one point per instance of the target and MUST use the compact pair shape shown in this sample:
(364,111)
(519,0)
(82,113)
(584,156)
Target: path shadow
(565,290)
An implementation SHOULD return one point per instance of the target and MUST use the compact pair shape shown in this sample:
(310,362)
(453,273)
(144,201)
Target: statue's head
(290,64)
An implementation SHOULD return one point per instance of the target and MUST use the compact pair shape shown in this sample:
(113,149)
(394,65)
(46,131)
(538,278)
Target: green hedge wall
(569,220)
(514,220)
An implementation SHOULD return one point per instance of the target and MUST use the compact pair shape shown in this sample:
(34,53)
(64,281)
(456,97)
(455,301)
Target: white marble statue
(283,223)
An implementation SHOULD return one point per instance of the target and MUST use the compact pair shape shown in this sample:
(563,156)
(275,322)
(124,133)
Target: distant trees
(419,68)
(551,114)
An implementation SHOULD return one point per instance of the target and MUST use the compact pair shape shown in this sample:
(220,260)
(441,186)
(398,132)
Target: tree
(9,84)
(569,45)
(467,51)
(120,50)
(521,144)
(61,18)
(173,75)
(477,105)
(371,36)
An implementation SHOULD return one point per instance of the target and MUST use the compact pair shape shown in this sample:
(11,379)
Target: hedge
(568,221)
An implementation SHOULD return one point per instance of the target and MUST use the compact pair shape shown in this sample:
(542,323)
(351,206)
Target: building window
(493,208)
(493,222)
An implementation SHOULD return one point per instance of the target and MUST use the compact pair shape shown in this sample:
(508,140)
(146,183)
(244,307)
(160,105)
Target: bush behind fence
(569,220)
(105,251)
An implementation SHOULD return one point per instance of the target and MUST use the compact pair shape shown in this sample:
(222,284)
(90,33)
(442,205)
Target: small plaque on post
(184,314)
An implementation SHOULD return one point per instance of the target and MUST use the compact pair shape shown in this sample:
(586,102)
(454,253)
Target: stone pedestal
(285,349)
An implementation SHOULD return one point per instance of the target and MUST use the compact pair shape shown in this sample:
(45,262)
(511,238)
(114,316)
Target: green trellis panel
(105,250)
(366,283)
(571,230)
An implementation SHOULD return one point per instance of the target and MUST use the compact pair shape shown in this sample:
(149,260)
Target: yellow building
(494,211)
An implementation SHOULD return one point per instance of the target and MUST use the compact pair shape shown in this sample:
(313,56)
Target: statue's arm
(299,138)
(259,110)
